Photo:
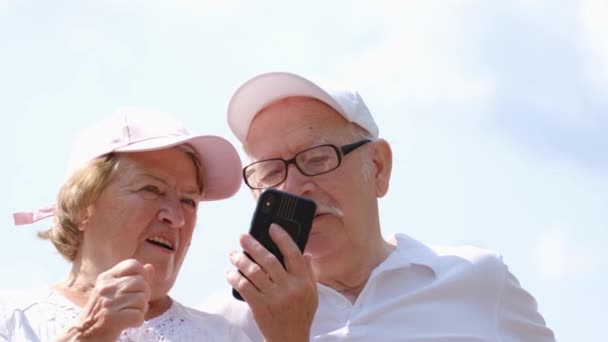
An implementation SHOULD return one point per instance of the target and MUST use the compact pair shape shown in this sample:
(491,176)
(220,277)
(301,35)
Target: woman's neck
(77,287)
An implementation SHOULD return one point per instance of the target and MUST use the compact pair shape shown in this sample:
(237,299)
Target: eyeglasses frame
(341,152)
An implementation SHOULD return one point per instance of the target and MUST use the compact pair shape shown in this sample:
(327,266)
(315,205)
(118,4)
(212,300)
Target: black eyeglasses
(310,162)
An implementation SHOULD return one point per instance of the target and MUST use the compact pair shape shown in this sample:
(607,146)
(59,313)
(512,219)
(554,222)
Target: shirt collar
(410,251)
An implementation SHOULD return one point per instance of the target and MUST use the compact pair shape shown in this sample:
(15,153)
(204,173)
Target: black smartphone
(293,213)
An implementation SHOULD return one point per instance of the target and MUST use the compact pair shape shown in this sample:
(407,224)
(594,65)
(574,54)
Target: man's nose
(297,182)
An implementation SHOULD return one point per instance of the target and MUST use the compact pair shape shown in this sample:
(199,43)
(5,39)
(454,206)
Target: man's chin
(317,245)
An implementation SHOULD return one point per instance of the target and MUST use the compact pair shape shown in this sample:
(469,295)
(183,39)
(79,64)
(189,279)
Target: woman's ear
(82,225)
(383,164)
(85,219)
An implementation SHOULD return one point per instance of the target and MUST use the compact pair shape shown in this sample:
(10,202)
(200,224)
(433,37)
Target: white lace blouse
(42,315)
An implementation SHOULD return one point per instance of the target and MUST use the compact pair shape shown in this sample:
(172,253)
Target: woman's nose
(171,212)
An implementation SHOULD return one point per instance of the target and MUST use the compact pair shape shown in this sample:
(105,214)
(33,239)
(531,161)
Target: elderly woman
(124,218)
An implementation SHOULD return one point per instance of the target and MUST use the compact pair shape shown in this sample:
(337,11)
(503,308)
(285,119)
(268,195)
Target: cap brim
(221,163)
(260,91)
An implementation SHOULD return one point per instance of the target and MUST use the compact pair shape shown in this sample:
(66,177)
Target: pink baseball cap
(139,130)
(260,91)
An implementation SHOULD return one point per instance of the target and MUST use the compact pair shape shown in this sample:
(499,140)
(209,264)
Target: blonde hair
(74,198)
(198,166)
(78,194)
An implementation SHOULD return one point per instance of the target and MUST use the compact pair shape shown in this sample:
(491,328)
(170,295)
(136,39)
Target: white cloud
(183,4)
(594,15)
(558,256)
(417,58)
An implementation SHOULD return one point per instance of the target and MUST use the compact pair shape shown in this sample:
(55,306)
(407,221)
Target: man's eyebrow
(319,141)
(314,143)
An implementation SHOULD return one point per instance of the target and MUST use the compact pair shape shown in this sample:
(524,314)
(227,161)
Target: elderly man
(323,144)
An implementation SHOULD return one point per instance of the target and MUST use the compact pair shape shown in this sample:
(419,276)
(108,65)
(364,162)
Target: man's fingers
(253,272)
(267,262)
(308,262)
(292,257)
(240,283)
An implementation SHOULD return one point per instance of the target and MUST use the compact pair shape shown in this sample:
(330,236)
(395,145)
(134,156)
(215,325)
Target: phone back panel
(293,213)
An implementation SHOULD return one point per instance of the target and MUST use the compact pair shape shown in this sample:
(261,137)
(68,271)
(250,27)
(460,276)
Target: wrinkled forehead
(292,124)
(292,112)
(172,164)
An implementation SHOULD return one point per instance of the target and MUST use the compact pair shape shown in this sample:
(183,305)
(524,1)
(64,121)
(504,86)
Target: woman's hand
(118,301)
(283,300)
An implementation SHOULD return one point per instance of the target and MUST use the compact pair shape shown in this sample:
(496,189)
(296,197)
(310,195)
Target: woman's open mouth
(161,242)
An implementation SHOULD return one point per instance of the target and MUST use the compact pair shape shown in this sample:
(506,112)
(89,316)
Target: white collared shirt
(423,294)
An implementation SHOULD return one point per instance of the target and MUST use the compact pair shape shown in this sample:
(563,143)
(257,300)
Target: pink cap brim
(221,163)
(221,166)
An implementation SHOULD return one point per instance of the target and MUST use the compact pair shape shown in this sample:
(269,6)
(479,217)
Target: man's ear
(383,164)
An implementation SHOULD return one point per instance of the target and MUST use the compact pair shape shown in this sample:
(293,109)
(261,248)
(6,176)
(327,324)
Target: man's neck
(349,275)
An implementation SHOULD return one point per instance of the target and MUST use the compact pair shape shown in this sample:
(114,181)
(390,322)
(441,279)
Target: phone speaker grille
(287,208)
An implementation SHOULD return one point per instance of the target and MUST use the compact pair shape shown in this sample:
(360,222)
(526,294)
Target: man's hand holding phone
(283,300)
(282,296)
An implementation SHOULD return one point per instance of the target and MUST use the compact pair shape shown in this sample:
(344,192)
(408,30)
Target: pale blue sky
(496,111)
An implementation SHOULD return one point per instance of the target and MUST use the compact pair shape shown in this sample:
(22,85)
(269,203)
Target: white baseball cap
(139,130)
(260,91)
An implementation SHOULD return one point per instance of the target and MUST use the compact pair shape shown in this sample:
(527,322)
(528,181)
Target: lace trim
(172,325)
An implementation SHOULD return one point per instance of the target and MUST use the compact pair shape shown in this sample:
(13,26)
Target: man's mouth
(161,242)
(323,213)
(324,210)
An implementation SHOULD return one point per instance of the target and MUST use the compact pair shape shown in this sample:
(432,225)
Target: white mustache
(329,209)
